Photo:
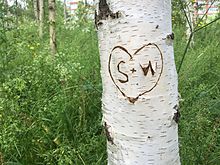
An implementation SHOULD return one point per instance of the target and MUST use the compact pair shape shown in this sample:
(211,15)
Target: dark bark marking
(133,70)
(104,13)
(107,133)
(146,69)
(122,81)
(134,99)
(177,115)
(170,36)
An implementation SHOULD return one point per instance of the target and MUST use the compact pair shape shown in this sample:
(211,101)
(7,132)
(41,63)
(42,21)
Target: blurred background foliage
(50,108)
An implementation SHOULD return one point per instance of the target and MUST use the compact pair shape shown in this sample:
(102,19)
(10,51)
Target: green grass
(199,85)
(50,110)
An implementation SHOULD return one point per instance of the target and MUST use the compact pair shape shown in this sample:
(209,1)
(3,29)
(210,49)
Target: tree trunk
(36,9)
(41,18)
(140,86)
(6,24)
(86,3)
(16,11)
(6,7)
(52,24)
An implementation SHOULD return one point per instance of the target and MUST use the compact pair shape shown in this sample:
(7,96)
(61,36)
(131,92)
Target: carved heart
(135,74)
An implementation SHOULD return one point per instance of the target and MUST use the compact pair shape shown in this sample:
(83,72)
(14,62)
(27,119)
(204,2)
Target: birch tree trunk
(36,9)
(86,3)
(140,87)
(52,26)
(41,18)
(7,7)
(16,11)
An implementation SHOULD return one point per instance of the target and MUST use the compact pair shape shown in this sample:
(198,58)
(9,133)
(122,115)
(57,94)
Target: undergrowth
(199,86)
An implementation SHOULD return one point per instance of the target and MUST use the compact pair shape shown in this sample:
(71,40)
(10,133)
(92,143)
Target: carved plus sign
(133,70)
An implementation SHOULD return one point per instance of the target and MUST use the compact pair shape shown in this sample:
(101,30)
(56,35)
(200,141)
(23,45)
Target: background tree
(6,7)
(52,26)
(140,96)
(36,9)
(41,18)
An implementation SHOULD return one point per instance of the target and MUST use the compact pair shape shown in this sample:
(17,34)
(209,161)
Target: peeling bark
(177,115)
(104,13)
(140,88)
(107,133)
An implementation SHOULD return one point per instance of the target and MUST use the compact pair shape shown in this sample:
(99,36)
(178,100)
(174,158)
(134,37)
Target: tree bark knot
(108,134)
(104,13)
(177,115)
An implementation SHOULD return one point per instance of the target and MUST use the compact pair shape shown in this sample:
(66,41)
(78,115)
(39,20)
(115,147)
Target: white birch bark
(140,95)
(41,18)
(36,9)
(52,26)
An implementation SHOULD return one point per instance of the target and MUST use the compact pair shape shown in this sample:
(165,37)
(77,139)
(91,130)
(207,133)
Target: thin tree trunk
(140,87)
(86,3)
(36,9)
(52,26)
(6,6)
(41,18)
(16,11)
(7,13)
